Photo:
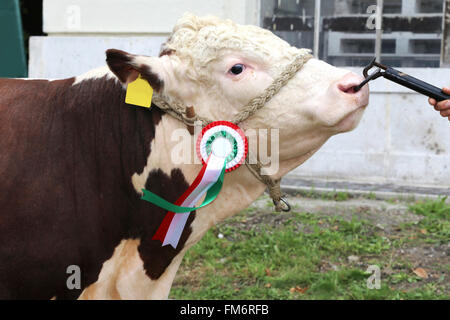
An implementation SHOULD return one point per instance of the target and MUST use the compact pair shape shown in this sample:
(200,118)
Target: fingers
(443,105)
(446,90)
(445,113)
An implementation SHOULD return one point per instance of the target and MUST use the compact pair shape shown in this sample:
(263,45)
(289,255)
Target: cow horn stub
(190,115)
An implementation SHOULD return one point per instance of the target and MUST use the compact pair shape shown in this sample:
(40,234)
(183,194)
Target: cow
(74,157)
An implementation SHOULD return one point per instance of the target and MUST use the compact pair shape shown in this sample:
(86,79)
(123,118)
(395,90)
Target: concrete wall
(143,17)
(401,141)
(67,56)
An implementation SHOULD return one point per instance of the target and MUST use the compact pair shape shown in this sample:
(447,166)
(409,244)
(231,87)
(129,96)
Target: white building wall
(67,56)
(401,140)
(142,17)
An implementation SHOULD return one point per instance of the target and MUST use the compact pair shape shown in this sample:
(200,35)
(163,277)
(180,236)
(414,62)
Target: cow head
(219,66)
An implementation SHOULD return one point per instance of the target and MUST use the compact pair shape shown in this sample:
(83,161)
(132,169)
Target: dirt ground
(322,249)
(388,217)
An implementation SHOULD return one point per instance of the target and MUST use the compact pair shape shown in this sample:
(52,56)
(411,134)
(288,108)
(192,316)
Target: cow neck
(118,136)
(180,112)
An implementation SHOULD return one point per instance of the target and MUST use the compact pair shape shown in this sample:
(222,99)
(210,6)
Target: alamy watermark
(73,281)
(374,281)
(375,18)
(73,17)
(262,142)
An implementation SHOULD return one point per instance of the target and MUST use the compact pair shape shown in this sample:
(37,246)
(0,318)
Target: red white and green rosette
(223,139)
(222,147)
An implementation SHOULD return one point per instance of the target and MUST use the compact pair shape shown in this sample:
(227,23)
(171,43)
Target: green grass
(306,257)
(435,225)
(331,195)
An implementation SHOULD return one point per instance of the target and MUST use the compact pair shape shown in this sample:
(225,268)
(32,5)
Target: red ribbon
(164,226)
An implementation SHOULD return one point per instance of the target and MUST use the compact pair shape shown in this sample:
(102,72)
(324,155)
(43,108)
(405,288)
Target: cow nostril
(348,88)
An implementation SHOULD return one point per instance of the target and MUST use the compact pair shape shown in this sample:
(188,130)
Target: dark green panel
(12,53)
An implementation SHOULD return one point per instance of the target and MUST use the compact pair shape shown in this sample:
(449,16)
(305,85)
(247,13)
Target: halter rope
(178,111)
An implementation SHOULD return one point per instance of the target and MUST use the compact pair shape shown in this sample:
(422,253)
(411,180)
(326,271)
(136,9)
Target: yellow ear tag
(139,93)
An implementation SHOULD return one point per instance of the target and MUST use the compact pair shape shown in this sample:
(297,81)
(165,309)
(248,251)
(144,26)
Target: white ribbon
(212,173)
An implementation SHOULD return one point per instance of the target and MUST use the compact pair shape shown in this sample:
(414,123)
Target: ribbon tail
(160,234)
(212,183)
(168,218)
(179,221)
(175,230)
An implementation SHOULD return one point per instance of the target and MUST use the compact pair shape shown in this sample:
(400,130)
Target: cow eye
(237,69)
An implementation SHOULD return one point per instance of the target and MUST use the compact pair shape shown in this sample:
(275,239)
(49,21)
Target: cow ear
(127,67)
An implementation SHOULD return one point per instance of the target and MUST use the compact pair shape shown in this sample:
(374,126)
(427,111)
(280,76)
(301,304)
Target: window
(291,20)
(393,6)
(429,6)
(343,31)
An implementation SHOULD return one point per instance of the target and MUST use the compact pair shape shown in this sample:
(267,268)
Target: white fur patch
(95,74)
(27,79)
(160,154)
(123,277)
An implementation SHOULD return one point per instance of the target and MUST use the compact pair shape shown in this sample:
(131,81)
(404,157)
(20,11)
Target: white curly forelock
(203,39)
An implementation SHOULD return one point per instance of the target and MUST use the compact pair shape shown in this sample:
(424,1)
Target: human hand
(444,106)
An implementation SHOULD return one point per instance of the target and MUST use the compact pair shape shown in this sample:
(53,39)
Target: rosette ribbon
(222,147)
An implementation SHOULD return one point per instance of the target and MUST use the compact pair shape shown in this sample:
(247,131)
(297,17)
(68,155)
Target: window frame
(318,23)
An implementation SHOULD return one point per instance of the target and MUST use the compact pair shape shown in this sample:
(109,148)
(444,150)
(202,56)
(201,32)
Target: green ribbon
(212,194)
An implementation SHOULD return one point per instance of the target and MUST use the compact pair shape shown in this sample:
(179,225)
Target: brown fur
(67,154)
(120,63)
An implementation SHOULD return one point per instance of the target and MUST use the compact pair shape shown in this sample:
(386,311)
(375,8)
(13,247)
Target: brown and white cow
(74,157)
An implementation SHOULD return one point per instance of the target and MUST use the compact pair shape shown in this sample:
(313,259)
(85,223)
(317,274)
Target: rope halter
(180,112)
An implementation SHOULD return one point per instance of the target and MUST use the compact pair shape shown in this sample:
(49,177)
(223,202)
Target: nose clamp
(369,77)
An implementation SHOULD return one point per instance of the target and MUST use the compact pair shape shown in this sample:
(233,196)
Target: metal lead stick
(402,79)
